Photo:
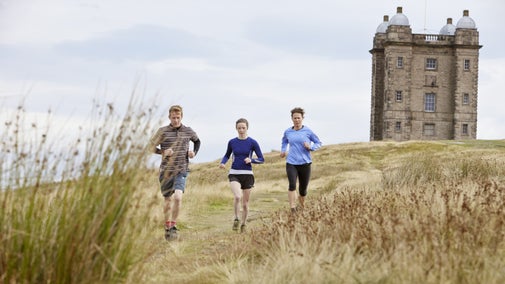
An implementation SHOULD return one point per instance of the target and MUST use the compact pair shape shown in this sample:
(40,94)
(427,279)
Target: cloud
(491,99)
(310,37)
(225,60)
(142,43)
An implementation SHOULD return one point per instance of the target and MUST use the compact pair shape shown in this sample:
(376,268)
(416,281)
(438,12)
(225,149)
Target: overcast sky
(226,59)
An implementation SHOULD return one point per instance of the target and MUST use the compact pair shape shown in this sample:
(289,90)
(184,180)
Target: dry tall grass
(437,216)
(66,208)
(381,212)
(412,212)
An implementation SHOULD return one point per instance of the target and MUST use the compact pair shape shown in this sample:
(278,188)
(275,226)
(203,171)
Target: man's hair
(242,120)
(175,108)
(298,110)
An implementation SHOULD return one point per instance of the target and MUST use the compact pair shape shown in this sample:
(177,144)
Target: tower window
(466,98)
(466,64)
(464,129)
(399,96)
(399,62)
(429,129)
(429,102)
(431,63)
(398,126)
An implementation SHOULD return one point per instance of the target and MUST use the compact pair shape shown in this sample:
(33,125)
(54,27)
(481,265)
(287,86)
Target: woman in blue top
(301,141)
(241,175)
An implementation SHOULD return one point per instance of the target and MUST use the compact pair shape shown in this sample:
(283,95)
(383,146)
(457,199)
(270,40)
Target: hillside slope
(210,252)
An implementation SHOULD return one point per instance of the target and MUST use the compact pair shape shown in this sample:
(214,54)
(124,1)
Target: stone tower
(424,86)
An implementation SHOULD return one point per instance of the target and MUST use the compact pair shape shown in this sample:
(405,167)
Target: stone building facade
(424,86)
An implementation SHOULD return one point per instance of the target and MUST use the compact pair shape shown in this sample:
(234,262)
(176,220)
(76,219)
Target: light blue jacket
(298,154)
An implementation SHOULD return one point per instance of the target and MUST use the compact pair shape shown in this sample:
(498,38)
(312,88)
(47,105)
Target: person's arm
(284,144)
(316,143)
(193,138)
(196,145)
(227,155)
(257,150)
(154,142)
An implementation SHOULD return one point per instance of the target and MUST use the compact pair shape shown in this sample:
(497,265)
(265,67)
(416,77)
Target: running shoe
(171,233)
(236,223)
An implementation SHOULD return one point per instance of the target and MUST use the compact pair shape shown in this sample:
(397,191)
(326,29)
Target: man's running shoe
(236,223)
(167,233)
(171,233)
(242,228)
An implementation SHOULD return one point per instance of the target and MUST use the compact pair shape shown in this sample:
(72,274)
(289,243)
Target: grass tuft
(67,209)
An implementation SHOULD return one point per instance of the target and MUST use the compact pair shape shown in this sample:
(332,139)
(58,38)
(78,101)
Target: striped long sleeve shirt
(178,139)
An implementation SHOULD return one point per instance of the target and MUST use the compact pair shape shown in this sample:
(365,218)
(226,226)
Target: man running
(172,143)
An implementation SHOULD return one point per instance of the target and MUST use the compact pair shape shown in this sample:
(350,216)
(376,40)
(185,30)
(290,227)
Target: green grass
(78,230)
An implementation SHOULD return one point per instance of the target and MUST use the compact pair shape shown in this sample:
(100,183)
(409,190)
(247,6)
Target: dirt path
(204,239)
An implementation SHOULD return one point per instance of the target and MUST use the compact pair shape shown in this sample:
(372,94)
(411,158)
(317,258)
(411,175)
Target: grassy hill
(411,212)
(379,212)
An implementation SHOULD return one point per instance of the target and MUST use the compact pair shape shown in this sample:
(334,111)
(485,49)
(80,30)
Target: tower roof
(465,22)
(449,28)
(382,28)
(399,19)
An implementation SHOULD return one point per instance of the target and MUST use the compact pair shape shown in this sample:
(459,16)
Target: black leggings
(302,172)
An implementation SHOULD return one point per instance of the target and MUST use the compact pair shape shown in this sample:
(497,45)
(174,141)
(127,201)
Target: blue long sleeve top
(298,154)
(241,149)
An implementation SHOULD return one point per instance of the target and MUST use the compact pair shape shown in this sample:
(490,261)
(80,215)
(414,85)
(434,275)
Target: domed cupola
(399,19)
(382,28)
(449,28)
(465,22)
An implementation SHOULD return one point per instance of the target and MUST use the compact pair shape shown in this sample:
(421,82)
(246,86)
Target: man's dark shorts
(169,185)
(246,181)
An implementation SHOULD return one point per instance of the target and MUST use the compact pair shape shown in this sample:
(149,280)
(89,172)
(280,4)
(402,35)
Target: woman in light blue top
(301,141)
